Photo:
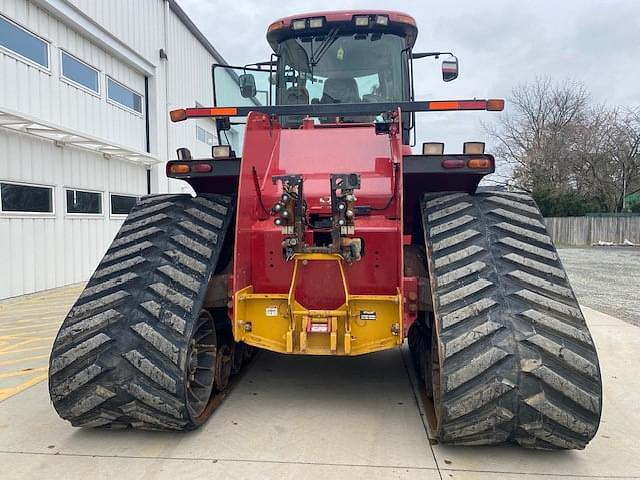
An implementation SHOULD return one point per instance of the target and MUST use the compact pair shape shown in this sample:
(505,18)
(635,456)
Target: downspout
(147,129)
(166,78)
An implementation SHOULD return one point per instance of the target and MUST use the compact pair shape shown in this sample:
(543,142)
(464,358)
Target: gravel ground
(606,279)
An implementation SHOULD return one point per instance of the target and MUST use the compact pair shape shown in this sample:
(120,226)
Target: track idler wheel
(201,363)
(224,364)
(238,357)
(249,352)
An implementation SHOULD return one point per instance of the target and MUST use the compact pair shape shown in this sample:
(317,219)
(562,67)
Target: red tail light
(453,163)
(201,168)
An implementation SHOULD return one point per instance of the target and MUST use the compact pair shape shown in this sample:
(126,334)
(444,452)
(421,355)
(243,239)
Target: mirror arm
(416,56)
(266,63)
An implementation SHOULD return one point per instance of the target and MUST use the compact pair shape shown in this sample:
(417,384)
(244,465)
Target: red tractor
(330,237)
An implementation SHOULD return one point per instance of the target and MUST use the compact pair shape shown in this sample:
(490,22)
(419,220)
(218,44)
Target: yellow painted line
(15,348)
(31,349)
(28,322)
(26,330)
(23,360)
(9,392)
(22,373)
(24,338)
(24,341)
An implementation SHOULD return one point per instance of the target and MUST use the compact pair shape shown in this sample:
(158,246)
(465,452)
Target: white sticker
(271,311)
(367,315)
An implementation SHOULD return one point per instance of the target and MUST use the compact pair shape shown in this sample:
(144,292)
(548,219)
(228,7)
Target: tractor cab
(356,57)
(344,58)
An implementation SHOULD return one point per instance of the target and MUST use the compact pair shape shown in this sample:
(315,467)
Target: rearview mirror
(450,69)
(247,85)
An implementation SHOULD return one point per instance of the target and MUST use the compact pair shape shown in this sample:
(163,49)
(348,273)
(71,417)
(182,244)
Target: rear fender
(222,179)
(427,173)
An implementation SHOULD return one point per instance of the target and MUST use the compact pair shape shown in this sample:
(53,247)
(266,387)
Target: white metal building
(85,90)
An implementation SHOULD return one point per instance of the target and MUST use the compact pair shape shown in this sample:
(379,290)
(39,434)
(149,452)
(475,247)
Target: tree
(561,148)
(536,134)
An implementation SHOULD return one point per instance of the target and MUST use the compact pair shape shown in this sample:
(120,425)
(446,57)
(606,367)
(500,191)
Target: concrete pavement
(28,325)
(309,418)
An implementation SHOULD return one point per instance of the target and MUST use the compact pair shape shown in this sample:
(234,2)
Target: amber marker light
(276,26)
(178,115)
(211,112)
(495,105)
(406,19)
(479,163)
(179,168)
(443,105)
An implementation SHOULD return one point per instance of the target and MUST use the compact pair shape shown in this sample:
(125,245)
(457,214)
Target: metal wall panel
(42,94)
(138,23)
(39,252)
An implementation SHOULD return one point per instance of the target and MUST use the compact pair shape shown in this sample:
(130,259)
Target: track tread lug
(159,341)
(473,369)
(447,211)
(451,224)
(477,398)
(63,359)
(469,337)
(152,372)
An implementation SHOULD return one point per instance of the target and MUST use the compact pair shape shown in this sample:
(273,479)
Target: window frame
(18,56)
(121,215)
(80,214)
(119,105)
(206,134)
(25,214)
(72,82)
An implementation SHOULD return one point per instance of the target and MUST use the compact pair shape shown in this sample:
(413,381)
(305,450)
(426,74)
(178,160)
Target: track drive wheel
(511,358)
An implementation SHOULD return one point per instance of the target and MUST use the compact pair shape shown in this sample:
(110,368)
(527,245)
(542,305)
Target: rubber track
(119,359)
(517,360)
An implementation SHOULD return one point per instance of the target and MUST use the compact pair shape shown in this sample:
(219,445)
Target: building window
(204,135)
(124,96)
(122,204)
(83,202)
(24,43)
(79,72)
(21,198)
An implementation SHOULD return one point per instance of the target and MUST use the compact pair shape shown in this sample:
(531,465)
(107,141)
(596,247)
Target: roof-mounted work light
(317,22)
(221,151)
(382,20)
(473,148)
(361,20)
(299,24)
(432,148)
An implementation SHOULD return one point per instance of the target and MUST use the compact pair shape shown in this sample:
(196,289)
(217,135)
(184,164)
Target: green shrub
(634,206)
(565,204)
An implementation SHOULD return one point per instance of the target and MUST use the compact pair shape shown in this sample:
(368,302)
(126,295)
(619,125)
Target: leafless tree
(555,140)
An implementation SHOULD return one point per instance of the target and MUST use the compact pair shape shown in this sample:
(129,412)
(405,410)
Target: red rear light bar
(494,105)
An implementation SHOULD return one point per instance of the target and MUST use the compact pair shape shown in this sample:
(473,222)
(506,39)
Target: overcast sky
(499,43)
